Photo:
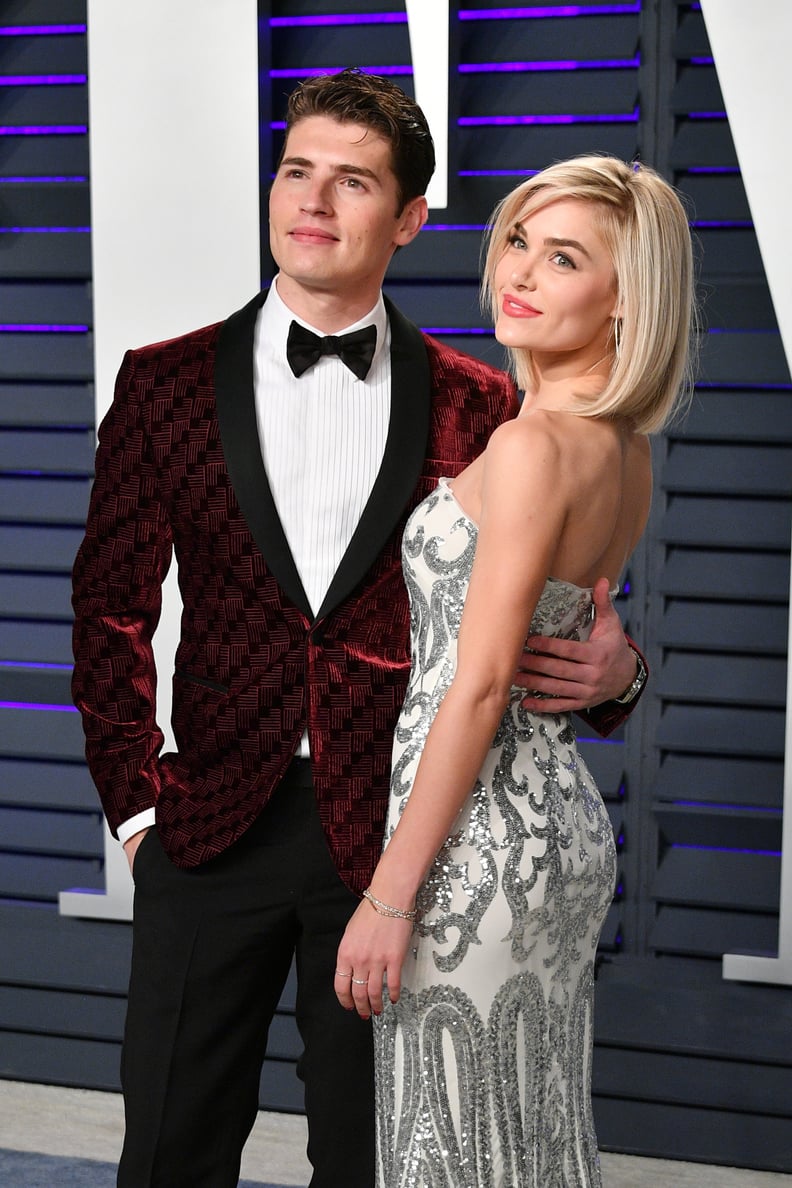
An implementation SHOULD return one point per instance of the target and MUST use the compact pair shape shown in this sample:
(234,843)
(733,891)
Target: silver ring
(360,981)
(343,975)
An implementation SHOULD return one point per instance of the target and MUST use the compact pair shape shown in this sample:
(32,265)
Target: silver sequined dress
(484,1065)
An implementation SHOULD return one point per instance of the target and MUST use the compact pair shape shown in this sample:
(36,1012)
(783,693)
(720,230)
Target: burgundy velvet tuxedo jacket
(179,469)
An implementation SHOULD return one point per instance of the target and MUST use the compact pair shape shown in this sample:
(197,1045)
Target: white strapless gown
(484,1065)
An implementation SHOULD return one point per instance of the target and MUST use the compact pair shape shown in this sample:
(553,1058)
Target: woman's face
(555,287)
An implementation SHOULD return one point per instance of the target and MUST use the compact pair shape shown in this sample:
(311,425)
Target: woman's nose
(523,274)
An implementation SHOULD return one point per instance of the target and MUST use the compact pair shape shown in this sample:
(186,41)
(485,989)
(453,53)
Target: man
(281,474)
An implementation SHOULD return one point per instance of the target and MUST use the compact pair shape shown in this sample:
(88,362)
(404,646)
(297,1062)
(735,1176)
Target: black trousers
(212,948)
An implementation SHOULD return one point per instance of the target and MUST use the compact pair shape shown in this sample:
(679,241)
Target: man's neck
(326,311)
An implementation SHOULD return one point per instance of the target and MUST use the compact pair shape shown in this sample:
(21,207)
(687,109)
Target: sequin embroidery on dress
(484,1065)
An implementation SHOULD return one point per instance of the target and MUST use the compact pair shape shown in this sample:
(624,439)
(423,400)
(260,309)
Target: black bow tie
(303,348)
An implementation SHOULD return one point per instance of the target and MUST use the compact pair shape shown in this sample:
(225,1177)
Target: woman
(484,912)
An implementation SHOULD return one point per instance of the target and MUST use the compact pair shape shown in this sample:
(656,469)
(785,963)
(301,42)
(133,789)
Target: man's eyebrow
(357,170)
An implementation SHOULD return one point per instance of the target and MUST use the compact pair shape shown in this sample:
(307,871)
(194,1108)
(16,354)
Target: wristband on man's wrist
(634,688)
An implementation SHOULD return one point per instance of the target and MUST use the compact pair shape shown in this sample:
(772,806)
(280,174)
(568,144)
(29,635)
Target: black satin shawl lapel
(236,414)
(405,450)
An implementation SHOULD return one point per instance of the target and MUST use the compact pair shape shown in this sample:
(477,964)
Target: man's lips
(311,235)
(518,309)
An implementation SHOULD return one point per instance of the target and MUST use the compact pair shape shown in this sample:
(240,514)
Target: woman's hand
(372,949)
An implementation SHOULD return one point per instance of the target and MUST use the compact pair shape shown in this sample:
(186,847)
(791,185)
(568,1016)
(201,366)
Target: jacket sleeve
(607,717)
(117,584)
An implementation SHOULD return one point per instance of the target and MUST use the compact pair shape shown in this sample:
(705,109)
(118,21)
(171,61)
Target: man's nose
(316,198)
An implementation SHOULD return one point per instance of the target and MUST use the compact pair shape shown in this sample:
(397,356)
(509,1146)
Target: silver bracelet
(384,909)
(636,685)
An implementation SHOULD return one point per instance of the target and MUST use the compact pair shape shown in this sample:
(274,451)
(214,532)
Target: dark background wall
(687,1065)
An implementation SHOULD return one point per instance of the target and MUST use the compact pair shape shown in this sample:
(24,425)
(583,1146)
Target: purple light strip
(39,30)
(498,172)
(42,129)
(490,121)
(470,14)
(715,387)
(36,328)
(44,230)
(464,331)
(549,66)
(33,705)
(721,223)
(737,330)
(372,18)
(454,226)
(706,115)
(40,80)
(41,179)
(524,120)
(319,71)
(35,664)
(713,169)
(539,11)
(710,61)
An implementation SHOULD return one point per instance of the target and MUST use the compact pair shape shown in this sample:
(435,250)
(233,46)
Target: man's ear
(411,219)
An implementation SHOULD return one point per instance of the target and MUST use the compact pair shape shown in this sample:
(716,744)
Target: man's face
(334,223)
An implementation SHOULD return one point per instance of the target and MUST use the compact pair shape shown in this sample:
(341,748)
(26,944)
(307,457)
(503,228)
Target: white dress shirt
(322,439)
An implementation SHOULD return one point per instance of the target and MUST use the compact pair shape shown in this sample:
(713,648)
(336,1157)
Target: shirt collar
(276,317)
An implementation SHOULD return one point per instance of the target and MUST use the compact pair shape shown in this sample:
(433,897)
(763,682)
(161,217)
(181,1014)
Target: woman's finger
(360,995)
(342,984)
(375,991)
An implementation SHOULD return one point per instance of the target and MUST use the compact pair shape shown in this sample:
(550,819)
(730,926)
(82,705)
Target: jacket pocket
(204,682)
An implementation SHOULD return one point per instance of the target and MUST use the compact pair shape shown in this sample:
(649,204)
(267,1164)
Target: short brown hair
(351,96)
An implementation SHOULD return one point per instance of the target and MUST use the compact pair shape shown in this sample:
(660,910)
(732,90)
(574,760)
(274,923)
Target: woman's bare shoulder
(531,429)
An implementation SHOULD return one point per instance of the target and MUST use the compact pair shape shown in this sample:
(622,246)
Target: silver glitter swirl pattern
(484,1065)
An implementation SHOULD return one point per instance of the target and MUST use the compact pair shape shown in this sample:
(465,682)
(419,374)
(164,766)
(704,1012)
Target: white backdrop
(751,44)
(173,102)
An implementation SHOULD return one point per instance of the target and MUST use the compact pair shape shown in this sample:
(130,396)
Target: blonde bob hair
(645,229)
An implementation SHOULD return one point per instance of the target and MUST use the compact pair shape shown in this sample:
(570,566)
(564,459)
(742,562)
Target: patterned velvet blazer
(179,469)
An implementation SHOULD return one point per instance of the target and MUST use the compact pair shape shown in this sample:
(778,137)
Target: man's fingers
(602,599)
(553,705)
(546,645)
